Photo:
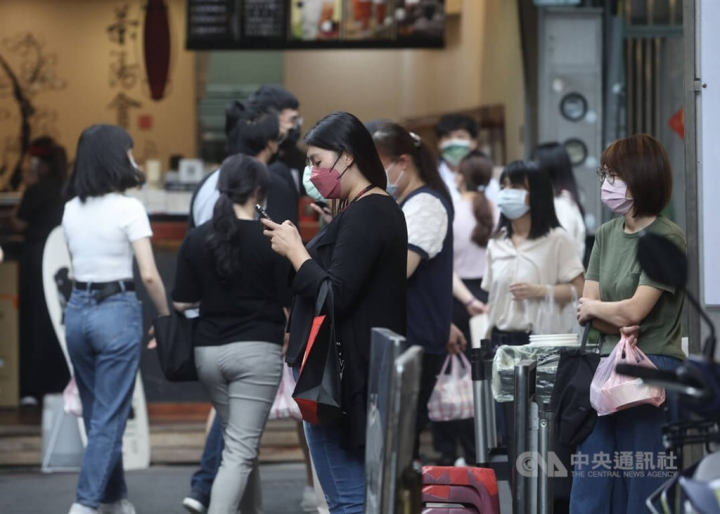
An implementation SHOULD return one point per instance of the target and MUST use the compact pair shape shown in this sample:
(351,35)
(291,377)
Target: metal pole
(480,385)
(545,449)
(693,169)
(525,374)
(490,421)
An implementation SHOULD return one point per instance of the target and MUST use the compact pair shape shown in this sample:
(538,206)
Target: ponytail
(393,140)
(240,178)
(427,166)
(476,170)
(224,240)
(485,220)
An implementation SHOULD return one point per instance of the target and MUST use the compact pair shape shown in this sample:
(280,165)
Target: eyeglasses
(606,174)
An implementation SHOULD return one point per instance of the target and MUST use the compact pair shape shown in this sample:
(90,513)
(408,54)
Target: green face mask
(310,188)
(454,151)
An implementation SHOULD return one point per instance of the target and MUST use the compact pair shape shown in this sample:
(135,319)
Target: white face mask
(511,203)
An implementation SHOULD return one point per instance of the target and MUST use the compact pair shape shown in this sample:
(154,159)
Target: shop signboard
(314,24)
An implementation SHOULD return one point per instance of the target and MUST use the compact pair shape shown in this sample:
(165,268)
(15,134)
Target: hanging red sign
(677,122)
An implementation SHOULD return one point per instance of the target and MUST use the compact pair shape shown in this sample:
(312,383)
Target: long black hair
(540,192)
(102,164)
(52,155)
(394,140)
(476,169)
(240,177)
(554,159)
(341,132)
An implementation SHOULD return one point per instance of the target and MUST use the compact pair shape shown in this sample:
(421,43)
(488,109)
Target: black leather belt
(104,290)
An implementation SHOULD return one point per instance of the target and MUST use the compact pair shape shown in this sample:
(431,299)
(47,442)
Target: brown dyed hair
(476,169)
(642,163)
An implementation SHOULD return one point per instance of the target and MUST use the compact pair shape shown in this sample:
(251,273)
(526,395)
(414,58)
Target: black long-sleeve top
(364,254)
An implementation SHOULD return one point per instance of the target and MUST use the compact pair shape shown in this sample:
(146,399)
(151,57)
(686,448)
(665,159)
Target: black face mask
(293,136)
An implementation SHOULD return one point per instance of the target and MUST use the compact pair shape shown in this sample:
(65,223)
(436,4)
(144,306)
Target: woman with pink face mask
(619,298)
(363,253)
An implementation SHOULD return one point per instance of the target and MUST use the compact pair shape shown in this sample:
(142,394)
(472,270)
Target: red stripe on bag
(317,324)
(309,410)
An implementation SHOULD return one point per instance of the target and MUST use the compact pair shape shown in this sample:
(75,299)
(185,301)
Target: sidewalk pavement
(158,490)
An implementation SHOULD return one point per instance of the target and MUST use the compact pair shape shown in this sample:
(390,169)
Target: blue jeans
(600,484)
(104,342)
(341,472)
(202,481)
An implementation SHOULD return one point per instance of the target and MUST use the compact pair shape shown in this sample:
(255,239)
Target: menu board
(319,24)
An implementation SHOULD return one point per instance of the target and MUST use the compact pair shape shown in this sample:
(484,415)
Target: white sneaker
(120,507)
(461,463)
(193,506)
(309,502)
(76,508)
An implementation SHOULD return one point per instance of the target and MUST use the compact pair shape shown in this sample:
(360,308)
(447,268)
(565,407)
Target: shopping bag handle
(586,333)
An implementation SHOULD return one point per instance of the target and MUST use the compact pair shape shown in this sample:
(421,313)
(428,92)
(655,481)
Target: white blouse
(549,260)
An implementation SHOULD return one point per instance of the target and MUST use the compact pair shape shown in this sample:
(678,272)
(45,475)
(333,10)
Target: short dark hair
(273,97)
(394,140)
(554,159)
(642,163)
(102,164)
(341,132)
(540,192)
(452,122)
(250,130)
(240,177)
(53,155)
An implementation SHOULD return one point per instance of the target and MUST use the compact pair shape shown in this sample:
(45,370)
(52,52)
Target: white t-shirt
(549,260)
(492,190)
(99,234)
(571,219)
(427,224)
(205,199)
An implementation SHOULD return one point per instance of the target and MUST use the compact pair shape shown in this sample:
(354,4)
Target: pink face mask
(615,196)
(327,181)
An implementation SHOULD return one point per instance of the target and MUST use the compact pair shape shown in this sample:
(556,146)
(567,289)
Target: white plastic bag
(284,406)
(71,399)
(452,397)
(611,392)
(553,318)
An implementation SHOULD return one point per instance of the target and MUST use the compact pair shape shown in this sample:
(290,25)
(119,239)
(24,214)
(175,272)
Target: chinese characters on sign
(123,74)
(626,464)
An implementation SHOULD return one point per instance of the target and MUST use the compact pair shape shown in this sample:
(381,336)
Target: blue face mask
(511,203)
(392,189)
(310,188)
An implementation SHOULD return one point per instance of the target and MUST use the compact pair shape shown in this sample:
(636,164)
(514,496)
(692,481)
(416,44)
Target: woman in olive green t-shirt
(623,460)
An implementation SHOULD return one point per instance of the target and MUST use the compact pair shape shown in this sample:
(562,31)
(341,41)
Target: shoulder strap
(586,333)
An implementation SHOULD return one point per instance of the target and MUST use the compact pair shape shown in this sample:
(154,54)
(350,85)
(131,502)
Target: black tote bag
(570,399)
(175,350)
(318,390)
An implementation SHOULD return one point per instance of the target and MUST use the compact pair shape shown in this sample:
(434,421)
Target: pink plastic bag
(71,399)
(611,392)
(284,406)
(452,397)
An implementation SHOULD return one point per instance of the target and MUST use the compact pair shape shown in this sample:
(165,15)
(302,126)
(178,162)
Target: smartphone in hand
(262,212)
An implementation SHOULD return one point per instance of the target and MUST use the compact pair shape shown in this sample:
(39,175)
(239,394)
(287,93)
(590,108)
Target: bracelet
(471,300)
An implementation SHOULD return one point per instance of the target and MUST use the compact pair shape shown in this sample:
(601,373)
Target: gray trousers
(242,380)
